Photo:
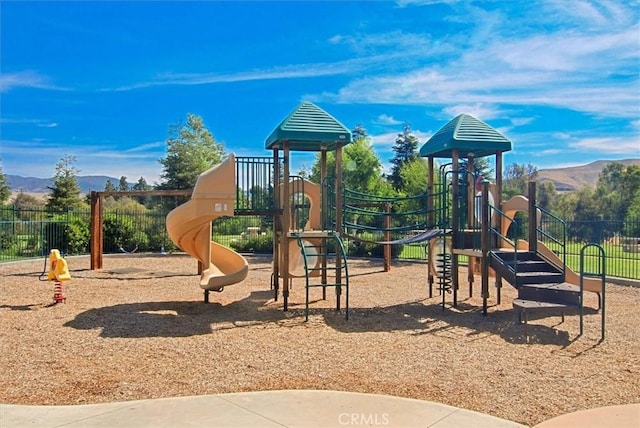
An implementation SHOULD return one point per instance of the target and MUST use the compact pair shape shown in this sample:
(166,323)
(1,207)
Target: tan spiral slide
(189,227)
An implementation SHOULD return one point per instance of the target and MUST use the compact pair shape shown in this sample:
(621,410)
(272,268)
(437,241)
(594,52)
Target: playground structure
(460,217)
(189,226)
(58,272)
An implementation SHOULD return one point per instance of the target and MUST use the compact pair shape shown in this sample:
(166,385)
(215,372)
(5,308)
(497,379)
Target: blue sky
(104,81)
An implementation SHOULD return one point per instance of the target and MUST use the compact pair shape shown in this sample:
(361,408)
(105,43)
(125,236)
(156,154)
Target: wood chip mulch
(139,329)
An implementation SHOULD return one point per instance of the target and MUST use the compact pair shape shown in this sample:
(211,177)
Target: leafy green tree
(65,192)
(5,190)
(632,220)
(191,150)
(516,178)
(109,186)
(361,168)
(609,190)
(546,195)
(405,150)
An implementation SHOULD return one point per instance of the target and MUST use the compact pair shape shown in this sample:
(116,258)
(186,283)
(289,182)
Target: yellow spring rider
(58,272)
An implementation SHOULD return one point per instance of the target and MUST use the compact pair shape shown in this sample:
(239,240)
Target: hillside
(87,183)
(577,177)
(565,179)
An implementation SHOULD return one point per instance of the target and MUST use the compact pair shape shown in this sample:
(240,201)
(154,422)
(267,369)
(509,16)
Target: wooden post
(277,229)
(533,234)
(472,222)
(497,200)
(455,219)
(485,245)
(323,216)
(338,220)
(286,225)
(96,231)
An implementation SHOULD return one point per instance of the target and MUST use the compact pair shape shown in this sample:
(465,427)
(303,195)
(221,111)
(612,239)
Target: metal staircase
(540,284)
(325,260)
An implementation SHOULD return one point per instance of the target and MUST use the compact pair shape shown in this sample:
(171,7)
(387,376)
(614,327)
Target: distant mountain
(577,177)
(565,179)
(87,183)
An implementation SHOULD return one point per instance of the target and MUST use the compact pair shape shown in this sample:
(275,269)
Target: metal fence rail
(32,233)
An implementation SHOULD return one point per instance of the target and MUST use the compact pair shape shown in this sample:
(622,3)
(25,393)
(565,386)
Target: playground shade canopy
(309,128)
(472,137)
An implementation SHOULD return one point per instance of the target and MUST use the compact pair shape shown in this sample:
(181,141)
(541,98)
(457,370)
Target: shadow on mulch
(420,317)
(175,319)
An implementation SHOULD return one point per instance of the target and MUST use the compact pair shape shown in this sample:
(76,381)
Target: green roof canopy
(309,128)
(472,138)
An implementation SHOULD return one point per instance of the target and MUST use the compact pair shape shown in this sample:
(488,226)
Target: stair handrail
(600,273)
(497,236)
(560,242)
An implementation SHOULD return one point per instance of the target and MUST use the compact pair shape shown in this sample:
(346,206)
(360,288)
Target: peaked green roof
(309,128)
(472,137)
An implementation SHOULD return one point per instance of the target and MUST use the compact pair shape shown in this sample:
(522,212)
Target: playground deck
(138,329)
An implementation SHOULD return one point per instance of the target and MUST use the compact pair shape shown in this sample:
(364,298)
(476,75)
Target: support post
(533,235)
(484,234)
(324,216)
(455,226)
(339,185)
(497,200)
(277,229)
(96,231)
(286,225)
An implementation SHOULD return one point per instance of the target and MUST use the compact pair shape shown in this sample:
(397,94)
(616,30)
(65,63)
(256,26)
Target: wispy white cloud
(17,157)
(610,145)
(26,79)
(282,72)
(385,119)
(566,80)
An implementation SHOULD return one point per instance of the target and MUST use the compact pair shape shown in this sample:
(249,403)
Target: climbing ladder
(324,258)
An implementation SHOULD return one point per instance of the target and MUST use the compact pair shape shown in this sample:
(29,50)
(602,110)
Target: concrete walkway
(293,408)
(299,408)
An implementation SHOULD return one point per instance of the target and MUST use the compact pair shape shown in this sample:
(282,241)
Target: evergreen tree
(141,185)
(65,192)
(123,186)
(191,150)
(5,190)
(109,186)
(405,150)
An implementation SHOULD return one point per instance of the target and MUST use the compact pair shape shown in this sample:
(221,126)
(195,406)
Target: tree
(109,186)
(65,192)
(405,149)
(5,190)
(123,186)
(361,168)
(516,178)
(141,184)
(191,150)
(25,200)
